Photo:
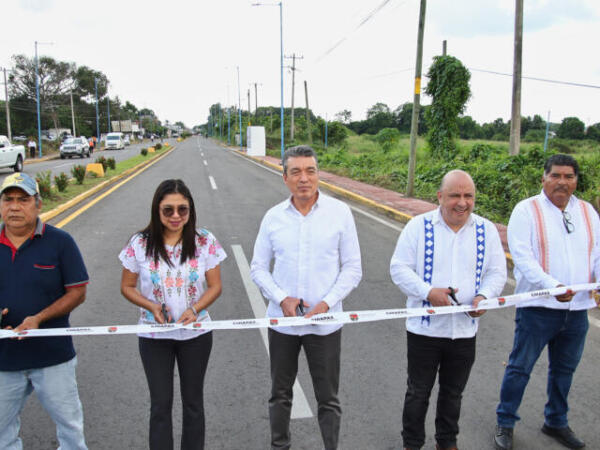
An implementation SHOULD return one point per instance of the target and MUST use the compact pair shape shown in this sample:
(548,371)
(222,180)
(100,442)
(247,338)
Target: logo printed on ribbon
(354,317)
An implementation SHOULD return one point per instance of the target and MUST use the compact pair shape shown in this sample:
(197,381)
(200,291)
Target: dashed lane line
(212,182)
(300,407)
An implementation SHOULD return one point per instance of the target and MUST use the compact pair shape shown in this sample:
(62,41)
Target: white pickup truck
(11,155)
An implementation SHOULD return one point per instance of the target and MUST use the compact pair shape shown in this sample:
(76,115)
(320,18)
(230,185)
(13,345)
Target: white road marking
(212,182)
(205,163)
(300,407)
(62,165)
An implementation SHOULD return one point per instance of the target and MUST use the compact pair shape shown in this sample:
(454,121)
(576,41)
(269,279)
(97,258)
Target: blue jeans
(56,388)
(564,332)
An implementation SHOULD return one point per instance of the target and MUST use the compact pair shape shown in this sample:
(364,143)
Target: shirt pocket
(47,276)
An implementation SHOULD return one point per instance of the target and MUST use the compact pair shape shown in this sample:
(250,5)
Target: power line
(365,19)
(545,80)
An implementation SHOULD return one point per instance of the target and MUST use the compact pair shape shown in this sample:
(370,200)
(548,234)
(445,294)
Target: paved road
(56,166)
(112,384)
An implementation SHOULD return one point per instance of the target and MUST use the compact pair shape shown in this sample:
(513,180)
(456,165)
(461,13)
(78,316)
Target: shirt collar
(438,219)
(38,230)
(289,205)
(572,201)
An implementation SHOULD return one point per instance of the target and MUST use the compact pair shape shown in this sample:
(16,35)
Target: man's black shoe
(564,435)
(503,438)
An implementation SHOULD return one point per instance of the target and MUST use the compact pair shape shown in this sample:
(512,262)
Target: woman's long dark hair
(155,243)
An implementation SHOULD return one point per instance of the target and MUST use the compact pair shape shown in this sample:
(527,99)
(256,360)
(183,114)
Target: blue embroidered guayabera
(428,259)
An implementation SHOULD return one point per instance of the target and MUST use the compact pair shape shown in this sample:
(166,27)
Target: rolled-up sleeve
(350,263)
(494,276)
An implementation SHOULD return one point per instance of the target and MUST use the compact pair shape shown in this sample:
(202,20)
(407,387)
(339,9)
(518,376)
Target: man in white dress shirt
(312,238)
(553,239)
(440,254)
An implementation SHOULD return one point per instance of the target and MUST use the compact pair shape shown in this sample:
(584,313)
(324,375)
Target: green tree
(449,88)
(593,132)
(344,116)
(387,138)
(571,128)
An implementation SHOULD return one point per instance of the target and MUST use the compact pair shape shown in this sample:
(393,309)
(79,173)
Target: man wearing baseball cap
(42,279)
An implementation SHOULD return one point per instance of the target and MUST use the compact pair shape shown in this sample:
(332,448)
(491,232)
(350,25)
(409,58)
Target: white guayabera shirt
(546,254)
(178,286)
(316,258)
(453,264)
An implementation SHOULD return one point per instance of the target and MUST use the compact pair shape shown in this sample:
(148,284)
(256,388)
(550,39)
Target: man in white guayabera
(312,238)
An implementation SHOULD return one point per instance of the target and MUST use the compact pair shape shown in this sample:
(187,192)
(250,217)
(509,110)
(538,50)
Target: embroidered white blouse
(546,255)
(178,285)
(455,257)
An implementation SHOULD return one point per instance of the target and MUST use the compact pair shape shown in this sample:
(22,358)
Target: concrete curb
(84,195)
(42,159)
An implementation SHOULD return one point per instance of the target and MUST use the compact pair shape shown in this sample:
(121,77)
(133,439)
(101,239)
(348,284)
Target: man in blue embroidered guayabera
(444,256)
(554,240)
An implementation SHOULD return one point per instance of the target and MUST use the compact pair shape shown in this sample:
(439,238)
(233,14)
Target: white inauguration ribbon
(326,318)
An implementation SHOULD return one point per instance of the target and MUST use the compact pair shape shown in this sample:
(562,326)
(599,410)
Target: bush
(111,163)
(534,136)
(61,182)
(45,183)
(78,173)
(144,151)
(102,160)
(158,146)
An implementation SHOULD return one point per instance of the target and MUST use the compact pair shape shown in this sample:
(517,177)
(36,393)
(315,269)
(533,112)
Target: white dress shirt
(568,259)
(317,258)
(454,265)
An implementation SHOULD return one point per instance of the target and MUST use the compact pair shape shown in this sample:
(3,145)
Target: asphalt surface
(113,388)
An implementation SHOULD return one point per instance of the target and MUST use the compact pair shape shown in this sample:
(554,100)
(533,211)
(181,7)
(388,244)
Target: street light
(280,4)
(37,95)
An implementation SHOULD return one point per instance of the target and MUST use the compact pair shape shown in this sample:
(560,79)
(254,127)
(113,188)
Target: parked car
(19,138)
(126,140)
(75,147)
(114,141)
(11,155)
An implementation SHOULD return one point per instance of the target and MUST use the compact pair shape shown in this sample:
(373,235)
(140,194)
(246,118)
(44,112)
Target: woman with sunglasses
(172,260)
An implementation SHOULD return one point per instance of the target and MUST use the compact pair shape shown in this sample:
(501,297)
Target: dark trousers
(158,358)
(323,356)
(32,152)
(426,356)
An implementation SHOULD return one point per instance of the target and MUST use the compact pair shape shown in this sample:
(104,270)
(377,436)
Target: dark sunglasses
(182,211)
(567,222)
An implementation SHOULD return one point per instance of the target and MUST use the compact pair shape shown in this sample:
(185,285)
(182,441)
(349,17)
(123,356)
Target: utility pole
(72,114)
(107,110)
(414,125)
(249,110)
(239,106)
(9,132)
(444,47)
(293,58)
(515,117)
(326,130)
(307,114)
(229,126)
(547,132)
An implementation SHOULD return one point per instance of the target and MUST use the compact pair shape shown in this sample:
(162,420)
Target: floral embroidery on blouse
(179,285)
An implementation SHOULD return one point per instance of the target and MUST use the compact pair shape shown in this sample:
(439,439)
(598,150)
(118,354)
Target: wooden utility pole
(515,117)
(307,113)
(293,58)
(414,126)
(9,132)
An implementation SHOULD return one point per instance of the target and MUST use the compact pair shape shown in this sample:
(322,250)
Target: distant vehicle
(11,155)
(126,140)
(114,141)
(75,147)
(19,138)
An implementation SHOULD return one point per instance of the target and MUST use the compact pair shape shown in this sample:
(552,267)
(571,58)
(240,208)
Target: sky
(178,57)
